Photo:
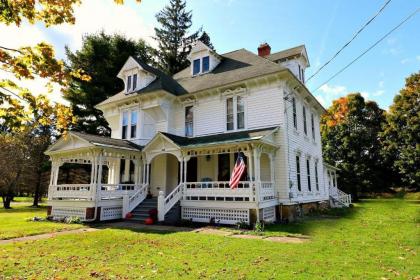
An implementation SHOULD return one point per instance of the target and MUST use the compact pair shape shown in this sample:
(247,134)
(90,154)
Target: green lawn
(13,222)
(377,239)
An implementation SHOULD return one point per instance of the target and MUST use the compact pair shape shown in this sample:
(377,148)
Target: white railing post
(126,201)
(161,206)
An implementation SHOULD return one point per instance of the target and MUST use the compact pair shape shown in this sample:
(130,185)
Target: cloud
(405,60)
(418,58)
(334,90)
(96,15)
(378,92)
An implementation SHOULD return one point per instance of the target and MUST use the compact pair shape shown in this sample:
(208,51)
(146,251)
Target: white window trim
(138,130)
(193,109)
(201,72)
(235,111)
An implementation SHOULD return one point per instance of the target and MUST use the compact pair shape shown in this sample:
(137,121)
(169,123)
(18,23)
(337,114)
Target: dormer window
(201,65)
(131,81)
(196,66)
(128,83)
(206,64)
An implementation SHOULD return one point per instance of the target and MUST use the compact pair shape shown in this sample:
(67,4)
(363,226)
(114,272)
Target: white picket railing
(340,197)
(117,191)
(131,201)
(71,191)
(166,203)
(219,191)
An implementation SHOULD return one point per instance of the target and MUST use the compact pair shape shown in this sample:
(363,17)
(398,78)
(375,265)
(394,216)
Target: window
(294,112)
(122,171)
(298,173)
(133,121)
(235,113)
(305,128)
(189,121)
(303,75)
(229,114)
(308,170)
(240,112)
(134,81)
(313,126)
(206,64)
(128,83)
(300,72)
(196,66)
(124,125)
(316,176)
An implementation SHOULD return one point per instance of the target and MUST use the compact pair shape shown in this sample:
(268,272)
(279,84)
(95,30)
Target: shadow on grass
(307,224)
(25,207)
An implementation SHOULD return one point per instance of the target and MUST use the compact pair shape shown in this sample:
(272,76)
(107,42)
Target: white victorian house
(175,140)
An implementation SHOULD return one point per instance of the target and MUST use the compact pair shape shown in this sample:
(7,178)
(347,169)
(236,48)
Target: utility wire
(11,92)
(351,40)
(371,47)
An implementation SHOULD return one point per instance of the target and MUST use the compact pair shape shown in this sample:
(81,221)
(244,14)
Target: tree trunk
(7,199)
(37,193)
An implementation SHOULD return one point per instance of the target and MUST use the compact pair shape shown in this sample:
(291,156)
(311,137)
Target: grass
(13,222)
(377,239)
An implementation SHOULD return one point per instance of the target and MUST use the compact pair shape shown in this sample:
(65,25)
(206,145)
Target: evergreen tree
(101,57)
(402,133)
(172,37)
(350,138)
(174,41)
(205,38)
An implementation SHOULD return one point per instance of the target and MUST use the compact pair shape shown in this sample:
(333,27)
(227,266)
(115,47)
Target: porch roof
(107,141)
(239,136)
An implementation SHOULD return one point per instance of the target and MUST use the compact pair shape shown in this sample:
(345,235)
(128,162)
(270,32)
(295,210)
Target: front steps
(141,212)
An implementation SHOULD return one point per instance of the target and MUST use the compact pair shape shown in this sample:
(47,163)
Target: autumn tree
(401,135)
(350,138)
(101,57)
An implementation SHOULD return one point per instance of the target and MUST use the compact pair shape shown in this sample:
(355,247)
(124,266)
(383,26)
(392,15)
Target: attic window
(128,83)
(201,65)
(206,64)
(196,66)
(134,81)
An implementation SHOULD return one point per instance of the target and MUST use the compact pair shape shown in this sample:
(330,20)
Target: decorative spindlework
(111,213)
(63,212)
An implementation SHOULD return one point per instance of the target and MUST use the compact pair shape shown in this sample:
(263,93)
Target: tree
(205,38)
(401,135)
(101,57)
(174,42)
(350,137)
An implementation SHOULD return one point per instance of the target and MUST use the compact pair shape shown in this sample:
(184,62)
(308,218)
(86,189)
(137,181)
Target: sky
(323,26)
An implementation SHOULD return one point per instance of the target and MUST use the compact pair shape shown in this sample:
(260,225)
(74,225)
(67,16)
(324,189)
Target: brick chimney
(264,50)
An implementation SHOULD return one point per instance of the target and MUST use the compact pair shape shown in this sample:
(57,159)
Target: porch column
(250,166)
(138,172)
(335,179)
(181,170)
(99,178)
(144,174)
(257,155)
(271,156)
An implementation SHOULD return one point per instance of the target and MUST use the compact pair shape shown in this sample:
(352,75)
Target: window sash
(298,173)
(316,176)
(134,81)
(128,83)
(308,170)
(294,113)
(189,121)
(196,66)
(240,113)
(229,114)
(206,64)
(305,128)
(313,126)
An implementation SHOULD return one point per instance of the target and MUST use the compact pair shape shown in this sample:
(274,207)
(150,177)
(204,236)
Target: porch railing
(71,191)
(131,201)
(219,191)
(117,191)
(266,191)
(340,197)
(166,203)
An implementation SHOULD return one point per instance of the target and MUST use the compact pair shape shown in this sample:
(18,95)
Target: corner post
(161,206)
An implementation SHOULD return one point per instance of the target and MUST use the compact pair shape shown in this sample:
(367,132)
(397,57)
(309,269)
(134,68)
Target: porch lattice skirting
(62,212)
(111,213)
(223,216)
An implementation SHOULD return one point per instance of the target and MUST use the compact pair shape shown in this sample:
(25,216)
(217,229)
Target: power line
(351,40)
(371,47)
(11,92)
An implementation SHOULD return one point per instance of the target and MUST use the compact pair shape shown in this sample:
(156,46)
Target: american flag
(237,172)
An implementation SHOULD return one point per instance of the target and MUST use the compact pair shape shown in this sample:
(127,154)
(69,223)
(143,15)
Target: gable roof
(106,141)
(295,51)
(221,138)
(235,66)
(162,82)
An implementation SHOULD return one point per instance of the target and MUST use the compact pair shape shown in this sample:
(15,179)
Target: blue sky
(323,26)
